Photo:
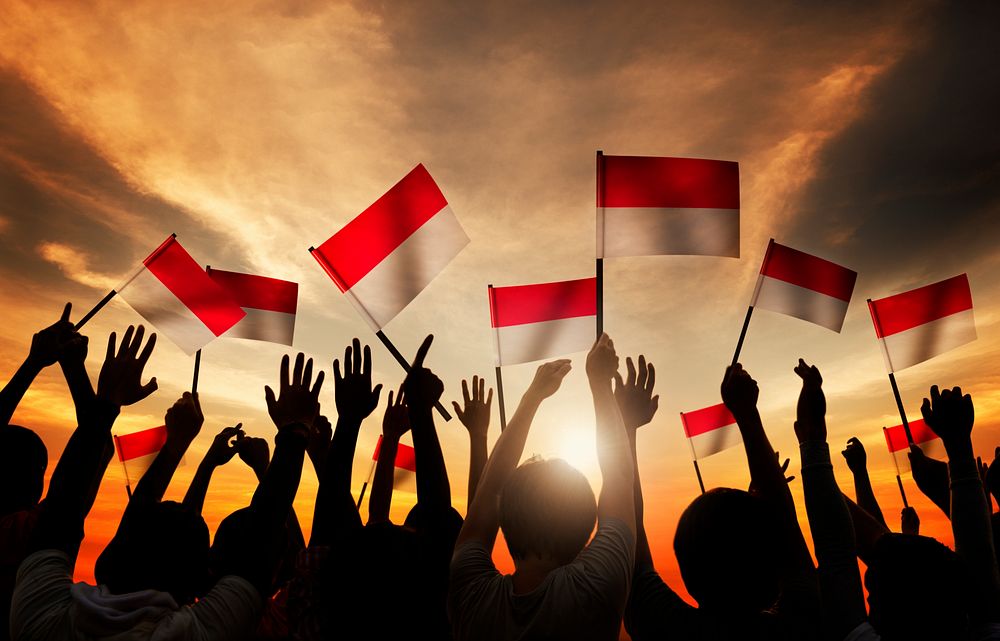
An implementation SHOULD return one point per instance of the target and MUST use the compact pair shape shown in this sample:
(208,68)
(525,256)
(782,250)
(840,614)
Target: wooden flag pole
(406,366)
(899,481)
(902,493)
(104,301)
(892,378)
(497,369)
(753,301)
(599,266)
(364,486)
(118,450)
(743,335)
(697,471)
(694,455)
(197,369)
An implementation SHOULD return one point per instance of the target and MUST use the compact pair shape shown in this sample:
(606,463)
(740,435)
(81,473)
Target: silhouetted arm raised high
(423,389)
(222,450)
(395,423)
(474,414)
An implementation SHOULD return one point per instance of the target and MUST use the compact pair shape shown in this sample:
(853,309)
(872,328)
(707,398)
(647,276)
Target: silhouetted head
(163,546)
(916,589)
(726,545)
(548,510)
(241,540)
(23,459)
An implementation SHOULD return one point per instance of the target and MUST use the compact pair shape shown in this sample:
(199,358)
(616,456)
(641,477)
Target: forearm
(614,454)
(643,555)
(153,484)
(339,461)
(970,522)
(15,389)
(866,496)
(80,387)
(276,492)
(194,499)
(478,453)
(433,487)
(381,495)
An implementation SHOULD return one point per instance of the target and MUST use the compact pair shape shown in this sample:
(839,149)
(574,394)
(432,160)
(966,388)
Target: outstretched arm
(423,389)
(857,462)
(475,416)
(483,521)
(637,406)
(221,451)
(183,422)
(395,423)
(614,454)
(931,477)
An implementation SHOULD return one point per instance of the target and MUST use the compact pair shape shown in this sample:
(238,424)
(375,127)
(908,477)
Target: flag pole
(406,366)
(697,472)
(902,493)
(364,486)
(197,369)
(694,455)
(599,266)
(743,335)
(118,449)
(892,377)
(497,369)
(104,301)
(899,481)
(753,301)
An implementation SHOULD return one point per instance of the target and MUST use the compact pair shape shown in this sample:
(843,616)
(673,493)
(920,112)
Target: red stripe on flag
(523,304)
(258,292)
(406,458)
(706,420)
(136,444)
(647,181)
(186,280)
(365,241)
(805,270)
(895,437)
(901,312)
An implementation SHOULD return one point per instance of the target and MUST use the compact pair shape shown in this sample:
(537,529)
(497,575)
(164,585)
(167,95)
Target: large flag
(535,322)
(387,255)
(919,324)
(923,437)
(405,474)
(650,206)
(710,430)
(173,293)
(269,304)
(804,286)
(137,450)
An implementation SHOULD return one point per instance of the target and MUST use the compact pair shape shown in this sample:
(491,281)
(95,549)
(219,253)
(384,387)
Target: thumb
(269,399)
(148,388)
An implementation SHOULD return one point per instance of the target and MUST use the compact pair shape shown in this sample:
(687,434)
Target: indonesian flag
(137,450)
(387,255)
(173,293)
(923,437)
(922,323)
(804,286)
(405,474)
(535,322)
(649,206)
(710,430)
(269,304)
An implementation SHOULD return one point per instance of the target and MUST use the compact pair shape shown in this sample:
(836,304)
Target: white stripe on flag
(264,325)
(656,231)
(800,302)
(162,309)
(915,345)
(547,339)
(933,448)
(714,441)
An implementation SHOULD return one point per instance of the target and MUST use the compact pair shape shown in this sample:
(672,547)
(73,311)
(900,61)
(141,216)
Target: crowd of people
(742,555)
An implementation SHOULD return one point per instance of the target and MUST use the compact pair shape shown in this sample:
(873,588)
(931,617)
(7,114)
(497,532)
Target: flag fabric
(650,206)
(405,474)
(269,305)
(710,430)
(173,293)
(919,324)
(137,450)
(535,322)
(923,437)
(391,251)
(804,286)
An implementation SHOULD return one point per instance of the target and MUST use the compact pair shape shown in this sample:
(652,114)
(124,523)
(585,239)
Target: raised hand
(297,404)
(857,459)
(635,394)
(356,398)
(784,471)
(910,522)
(475,415)
(931,477)
(120,381)
(255,453)
(396,420)
(223,447)
(422,387)
(950,414)
(548,377)
(739,391)
(810,424)
(49,344)
(602,361)
(184,420)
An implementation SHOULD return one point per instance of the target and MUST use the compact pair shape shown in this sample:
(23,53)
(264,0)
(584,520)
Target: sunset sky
(866,134)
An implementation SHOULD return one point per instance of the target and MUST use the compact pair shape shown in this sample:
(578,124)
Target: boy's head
(23,459)
(547,510)
(163,546)
(726,545)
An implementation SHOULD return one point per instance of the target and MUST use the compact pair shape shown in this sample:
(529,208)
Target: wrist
(599,383)
(959,449)
(32,365)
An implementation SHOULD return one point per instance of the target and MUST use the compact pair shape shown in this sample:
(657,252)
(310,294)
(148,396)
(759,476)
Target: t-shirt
(15,533)
(48,605)
(583,599)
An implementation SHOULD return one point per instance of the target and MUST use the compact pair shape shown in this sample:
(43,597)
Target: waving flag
(405,475)
(801,285)
(710,430)
(535,322)
(919,324)
(391,251)
(269,305)
(649,206)
(173,293)
(137,450)
(923,437)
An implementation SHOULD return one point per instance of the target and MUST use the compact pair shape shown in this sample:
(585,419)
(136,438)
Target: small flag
(269,304)
(137,450)
(535,322)
(387,255)
(173,293)
(804,286)
(405,475)
(922,323)
(710,430)
(923,437)
(649,206)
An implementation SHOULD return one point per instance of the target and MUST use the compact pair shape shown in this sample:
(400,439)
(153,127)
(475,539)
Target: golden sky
(865,134)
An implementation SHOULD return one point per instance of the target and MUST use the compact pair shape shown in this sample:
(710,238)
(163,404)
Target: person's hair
(917,589)
(547,509)
(23,459)
(726,546)
(161,546)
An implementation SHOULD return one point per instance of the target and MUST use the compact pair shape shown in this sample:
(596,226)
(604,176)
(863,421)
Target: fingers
(643,372)
(650,377)
(489,399)
(358,356)
(126,341)
(133,348)
(65,313)
(349,360)
(390,399)
(297,370)
(935,395)
(925,411)
(337,378)
(482,389)
(655,401)
(110,355)
(630,366)
(376,392)
(269,399)
(283,377)
(307,373)
(147,351)
(318,385)
(148,388)
(618,382)
(458,410)
(465,392)
(366,369)
(422,351)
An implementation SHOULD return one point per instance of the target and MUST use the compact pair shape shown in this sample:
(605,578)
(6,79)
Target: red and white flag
(405,474)
(710,430)
(650,206)
(919,324)
(269,304)
(923,437)
(804,286)
(137,450)
(388,254)
(173,293)
(535,322)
